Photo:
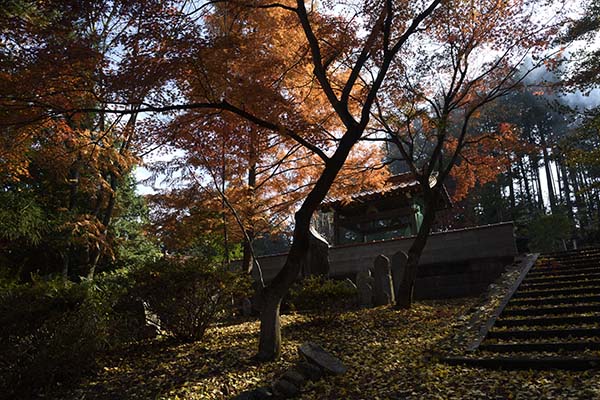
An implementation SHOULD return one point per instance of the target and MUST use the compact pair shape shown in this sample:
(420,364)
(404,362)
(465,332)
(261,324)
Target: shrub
(324,299)
(547,233)
(49,332)
(187,295)
(126,319)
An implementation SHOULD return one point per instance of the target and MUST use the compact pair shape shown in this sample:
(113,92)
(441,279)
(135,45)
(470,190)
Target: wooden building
(393,212)
(454,263)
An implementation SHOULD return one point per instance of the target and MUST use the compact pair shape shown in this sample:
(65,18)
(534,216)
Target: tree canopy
(266,103)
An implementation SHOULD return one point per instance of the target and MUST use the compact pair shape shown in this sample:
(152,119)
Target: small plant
(548,233)
(50,331)
(187,295)
(321,298)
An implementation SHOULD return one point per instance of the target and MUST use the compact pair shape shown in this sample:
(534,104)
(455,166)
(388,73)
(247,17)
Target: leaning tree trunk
(407,286)
(269,347)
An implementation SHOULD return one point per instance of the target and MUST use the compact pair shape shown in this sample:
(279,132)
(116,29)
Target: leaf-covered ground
(389,354)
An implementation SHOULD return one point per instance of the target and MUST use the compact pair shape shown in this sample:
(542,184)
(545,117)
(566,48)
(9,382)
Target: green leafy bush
(126,319)
(323,299)
(547,233)
(188,295)
(49,332)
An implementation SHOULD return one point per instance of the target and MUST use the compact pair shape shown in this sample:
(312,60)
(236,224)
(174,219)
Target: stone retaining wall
(454,263)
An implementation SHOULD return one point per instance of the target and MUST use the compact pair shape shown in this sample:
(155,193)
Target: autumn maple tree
(312,78)
(432,111)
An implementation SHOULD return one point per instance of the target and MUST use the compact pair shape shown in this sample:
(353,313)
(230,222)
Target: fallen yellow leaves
(389,353)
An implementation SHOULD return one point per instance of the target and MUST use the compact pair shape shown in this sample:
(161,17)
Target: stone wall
(454,263)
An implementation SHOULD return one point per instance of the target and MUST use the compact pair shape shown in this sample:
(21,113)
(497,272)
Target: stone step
(559,284)
(570,256)
(565,264)
(561,272)
(558,310)
(562,278)
(562,266)
(573,300)
(549,321)
(538,346)
(538,363)
(548,333)
(595,253)
(572,252)
(557,292)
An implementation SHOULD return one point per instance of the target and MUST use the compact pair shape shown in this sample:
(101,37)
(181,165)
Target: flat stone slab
(324,360)
(286,388)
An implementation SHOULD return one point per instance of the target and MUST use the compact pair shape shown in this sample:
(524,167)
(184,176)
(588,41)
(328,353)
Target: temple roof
(397,185)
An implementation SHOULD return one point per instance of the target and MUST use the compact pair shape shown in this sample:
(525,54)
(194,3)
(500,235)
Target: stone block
(315,354)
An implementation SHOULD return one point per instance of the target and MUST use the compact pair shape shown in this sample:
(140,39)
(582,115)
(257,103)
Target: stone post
(364,284)
(383,291)
(399,260)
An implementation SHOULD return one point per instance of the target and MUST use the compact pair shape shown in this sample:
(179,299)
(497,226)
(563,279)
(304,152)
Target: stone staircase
(551,319)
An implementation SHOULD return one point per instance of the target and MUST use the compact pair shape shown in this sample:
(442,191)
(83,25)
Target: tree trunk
(269,346)
(535,170)
(223,209)
(579,200)
(511,190)
(248,259)
(560,190)
(270,332)
(406,291)
(65,256)
(528,195)
(106,218)
(549,177)
(567,191)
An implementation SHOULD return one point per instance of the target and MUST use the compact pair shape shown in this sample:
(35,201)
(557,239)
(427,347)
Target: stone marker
(383,291)
(317,258)
(399,260)
(364,285)
(315,354)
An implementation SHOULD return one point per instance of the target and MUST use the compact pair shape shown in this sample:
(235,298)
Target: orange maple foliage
(486,156)
(260,62)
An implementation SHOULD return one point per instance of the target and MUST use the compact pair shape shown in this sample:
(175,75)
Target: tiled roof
(397,184)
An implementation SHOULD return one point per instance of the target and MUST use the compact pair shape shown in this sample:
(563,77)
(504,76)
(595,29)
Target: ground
(390,354)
